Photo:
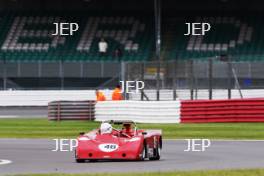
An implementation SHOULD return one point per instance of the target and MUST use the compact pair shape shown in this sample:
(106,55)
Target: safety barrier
(43,97)
(71,110)
(236,110)
(139,111)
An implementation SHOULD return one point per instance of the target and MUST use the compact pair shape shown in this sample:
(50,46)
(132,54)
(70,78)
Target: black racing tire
(156,153)
(77,159)
(80,160)
(143,153)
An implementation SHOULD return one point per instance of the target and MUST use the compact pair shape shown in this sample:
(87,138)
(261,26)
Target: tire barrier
(184,111)
(236,110)
(139,111)
(71,110)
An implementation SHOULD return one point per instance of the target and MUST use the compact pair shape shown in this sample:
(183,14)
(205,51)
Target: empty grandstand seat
(235,36)
(29,38)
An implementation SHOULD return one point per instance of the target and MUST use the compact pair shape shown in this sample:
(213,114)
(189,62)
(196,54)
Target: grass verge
(42,128)
(248,172)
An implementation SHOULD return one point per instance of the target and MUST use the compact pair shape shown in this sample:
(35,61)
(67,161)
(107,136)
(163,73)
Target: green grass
(42,128)
(248,172)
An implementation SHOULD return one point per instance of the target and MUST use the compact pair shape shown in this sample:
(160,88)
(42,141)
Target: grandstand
(32,58)
(234,36)
(28,37)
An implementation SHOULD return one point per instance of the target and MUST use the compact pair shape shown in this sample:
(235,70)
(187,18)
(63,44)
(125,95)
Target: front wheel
(143,153)
(77,159)
(80,160)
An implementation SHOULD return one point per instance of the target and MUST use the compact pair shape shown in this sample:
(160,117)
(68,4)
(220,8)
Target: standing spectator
(117,94)
(99,96)
(103,46)
(118,54)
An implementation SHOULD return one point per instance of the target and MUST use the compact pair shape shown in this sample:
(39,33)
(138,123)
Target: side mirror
(82,133)
(144,133)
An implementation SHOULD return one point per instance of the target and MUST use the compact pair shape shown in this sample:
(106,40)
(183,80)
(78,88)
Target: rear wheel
(156,153)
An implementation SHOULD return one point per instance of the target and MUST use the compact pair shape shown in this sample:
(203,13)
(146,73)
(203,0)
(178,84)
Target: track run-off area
(36,156)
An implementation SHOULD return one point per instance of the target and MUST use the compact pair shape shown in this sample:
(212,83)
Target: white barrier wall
(139,111)
(43,97)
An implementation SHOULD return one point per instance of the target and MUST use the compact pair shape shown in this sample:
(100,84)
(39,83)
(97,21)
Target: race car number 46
(108,147)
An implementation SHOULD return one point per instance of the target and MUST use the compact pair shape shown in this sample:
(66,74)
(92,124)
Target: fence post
(210,78)
(191,76)
(142,70)
(123,77)
(157,7)
(174,80)
(62,74)
(229,68)
(4,75)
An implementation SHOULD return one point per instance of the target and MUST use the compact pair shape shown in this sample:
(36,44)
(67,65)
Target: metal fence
(183,74)
(174,75)
(195,75)
(57,75)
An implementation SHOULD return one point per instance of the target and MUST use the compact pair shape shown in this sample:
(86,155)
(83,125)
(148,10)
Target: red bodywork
(120,144)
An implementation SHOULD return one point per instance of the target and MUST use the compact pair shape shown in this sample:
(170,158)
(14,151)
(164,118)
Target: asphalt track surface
(35,156)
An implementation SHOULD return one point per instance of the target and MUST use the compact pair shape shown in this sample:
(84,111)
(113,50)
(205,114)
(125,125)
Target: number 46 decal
(108,147)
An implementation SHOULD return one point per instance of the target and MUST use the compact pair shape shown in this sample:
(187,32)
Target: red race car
(126,143)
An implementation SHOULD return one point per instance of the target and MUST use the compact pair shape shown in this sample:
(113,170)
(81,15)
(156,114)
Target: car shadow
(117,161)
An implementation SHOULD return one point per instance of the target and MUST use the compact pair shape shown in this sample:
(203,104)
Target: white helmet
(106,128)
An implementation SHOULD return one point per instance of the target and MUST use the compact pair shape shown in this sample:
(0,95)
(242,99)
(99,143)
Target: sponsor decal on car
(108,147)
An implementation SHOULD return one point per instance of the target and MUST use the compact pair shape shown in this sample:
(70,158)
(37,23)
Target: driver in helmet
(127,129)
(106,128)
